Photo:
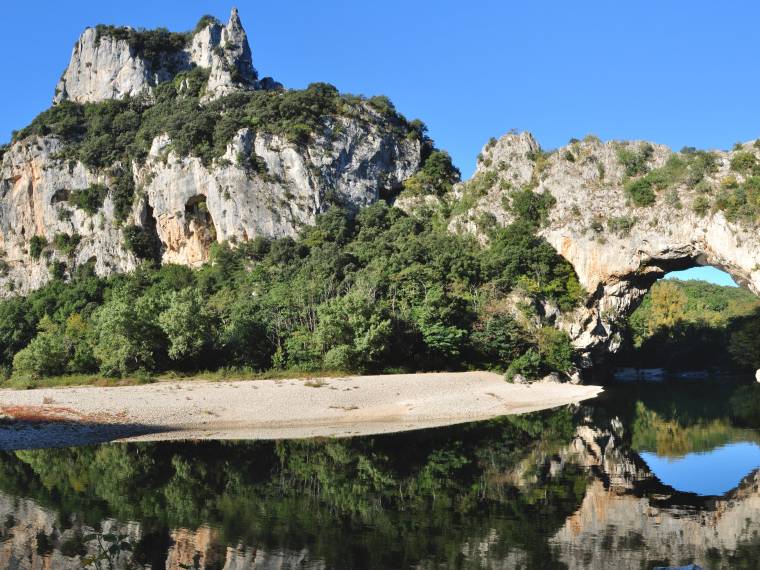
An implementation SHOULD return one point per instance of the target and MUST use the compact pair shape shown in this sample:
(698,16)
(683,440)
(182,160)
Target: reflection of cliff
(34,538)
(628,519)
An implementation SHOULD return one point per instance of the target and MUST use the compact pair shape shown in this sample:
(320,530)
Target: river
(643,476)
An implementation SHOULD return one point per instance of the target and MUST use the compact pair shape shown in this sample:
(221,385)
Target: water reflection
(715,472)
(570,488)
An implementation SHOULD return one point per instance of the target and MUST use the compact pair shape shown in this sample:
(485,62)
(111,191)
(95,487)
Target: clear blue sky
(678,73)
(706,273)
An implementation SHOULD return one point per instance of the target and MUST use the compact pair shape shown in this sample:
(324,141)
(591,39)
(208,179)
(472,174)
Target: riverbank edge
(269,409)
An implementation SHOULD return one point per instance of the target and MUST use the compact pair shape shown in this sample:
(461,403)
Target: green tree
(186,322)
(46,355)
(127,339)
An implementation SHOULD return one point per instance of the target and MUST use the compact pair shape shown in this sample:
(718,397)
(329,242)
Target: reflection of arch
(629,515)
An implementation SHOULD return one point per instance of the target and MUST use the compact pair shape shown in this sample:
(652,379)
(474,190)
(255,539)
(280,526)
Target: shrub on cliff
(37,244)
(635,160)
(89,199)
(141,242)
(436,176)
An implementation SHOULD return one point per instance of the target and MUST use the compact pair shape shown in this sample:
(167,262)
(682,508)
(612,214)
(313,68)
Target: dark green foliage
(154,46)
(640,192)
(693,325)
(57,269)
(687,168)
(111,134)
(382,105)
(517,256)
(743,341)
(635,161)
(36,245)
(372,292)
(141,242)
(438,490)
(205,21)
(701,163)
(532,207)
(740,201)
(66,244)
(89,199)
(436,176)
(65,120)
(743,162)
(122,192)
(3,149)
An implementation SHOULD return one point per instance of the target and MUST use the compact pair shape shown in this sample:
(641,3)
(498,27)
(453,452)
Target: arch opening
(198,220)
(694,321)
(199,230)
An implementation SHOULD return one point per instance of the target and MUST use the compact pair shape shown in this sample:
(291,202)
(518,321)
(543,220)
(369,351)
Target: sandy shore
(268,409)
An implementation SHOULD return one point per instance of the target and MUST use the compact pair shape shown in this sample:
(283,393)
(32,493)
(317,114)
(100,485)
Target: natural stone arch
(616,286)
(618,249)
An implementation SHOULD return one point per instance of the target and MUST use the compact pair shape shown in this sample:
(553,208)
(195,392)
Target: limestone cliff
(190,204)
(689,212)
(111,63)
(266,176)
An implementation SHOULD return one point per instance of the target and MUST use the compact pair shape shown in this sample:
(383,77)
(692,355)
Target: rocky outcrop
(617,249)
(265,184)
(190,205)
(113,63)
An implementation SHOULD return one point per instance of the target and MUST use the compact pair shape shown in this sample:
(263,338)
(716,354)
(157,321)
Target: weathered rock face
(190,204)
(264,185)
(618,249)
(106,65)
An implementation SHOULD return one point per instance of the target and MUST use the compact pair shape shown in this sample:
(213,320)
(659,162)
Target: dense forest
(683,325)
(376,290)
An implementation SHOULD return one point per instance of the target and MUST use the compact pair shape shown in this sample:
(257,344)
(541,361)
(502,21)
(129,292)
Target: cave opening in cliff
(199,221)
(693,323)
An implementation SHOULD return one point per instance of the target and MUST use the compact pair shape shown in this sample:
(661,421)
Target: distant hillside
(692,324)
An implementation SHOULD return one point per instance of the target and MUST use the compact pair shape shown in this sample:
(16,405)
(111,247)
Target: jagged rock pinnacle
(107,62)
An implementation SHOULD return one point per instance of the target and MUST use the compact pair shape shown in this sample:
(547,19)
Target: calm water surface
(645,476)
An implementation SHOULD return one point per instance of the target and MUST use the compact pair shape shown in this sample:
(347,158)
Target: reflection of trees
(671,438)
(389,501)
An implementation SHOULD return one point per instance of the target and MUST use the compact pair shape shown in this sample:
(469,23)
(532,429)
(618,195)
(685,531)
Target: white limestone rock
(104,67)
(352,161)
